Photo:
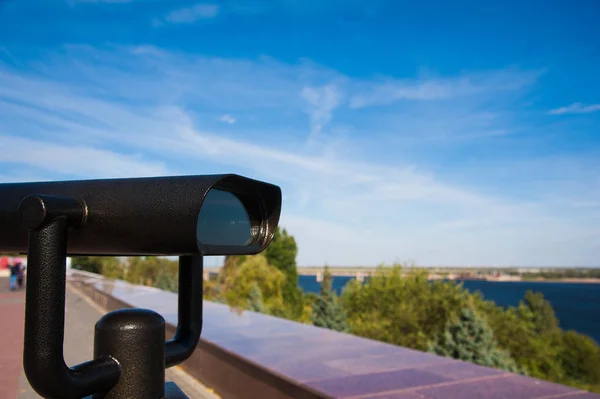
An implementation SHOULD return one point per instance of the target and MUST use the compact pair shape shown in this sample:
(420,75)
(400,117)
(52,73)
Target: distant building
(529,270)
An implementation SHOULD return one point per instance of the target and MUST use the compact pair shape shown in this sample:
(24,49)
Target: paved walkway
(81,316)
(12,314)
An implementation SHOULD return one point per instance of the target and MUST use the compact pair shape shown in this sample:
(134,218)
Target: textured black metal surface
(149,216)
(142,216)
(37,210)
(189,311)
(43,359)
(136,339)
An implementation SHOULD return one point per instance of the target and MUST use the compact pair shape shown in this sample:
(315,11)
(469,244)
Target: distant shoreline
(540,280)
(566,280)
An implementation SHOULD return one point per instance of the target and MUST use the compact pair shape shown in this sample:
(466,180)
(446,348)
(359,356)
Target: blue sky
(430,133)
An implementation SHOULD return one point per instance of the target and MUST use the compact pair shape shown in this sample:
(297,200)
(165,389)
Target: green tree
(532,340)
(580,359)
(309,299)
(112,268)
(167,280)
(255,272)
(106,265)
(281,253)
(470,338)
(327,311)
(514,329)
(146,270)
(401,306)
(256,303)
(542,314)
(92,264)
(232,262)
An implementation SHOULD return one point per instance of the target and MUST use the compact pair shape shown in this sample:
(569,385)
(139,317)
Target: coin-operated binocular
(187,216)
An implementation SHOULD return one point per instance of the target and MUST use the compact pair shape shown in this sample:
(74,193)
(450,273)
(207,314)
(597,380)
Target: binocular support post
(189,310)
(130,354)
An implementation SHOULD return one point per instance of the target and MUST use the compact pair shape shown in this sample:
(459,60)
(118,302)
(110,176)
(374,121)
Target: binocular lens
(224,220)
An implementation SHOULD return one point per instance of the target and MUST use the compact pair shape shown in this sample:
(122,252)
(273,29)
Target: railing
(252,355)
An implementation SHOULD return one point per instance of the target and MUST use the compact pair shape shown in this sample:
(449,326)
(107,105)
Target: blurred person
(14,269)
(20,274)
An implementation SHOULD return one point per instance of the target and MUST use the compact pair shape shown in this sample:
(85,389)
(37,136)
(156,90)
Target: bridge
(362,272)
(267,357)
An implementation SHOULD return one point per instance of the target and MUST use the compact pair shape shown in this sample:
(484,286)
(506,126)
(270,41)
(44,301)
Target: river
(577,305)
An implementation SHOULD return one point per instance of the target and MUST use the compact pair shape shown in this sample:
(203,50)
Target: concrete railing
(252,355)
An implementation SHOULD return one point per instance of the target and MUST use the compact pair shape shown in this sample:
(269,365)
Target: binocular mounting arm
(48,220)
(189,311)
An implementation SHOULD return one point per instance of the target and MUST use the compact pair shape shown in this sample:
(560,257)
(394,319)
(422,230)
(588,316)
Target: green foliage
(230,265)
(542,313)
(531,334)
(310,298)
(327,311)
(211,290)
(106,265)
(255,273)
(92,264)
(152,271)
(146,271)
(402,308)
(580,358)
(167,280)
(281,253)
(112,268)
(516,331)
(256,303)
(471,339)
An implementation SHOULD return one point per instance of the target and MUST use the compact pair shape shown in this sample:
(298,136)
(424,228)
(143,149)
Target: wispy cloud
(6,54)
(192,14)
(144,111)
(77,160)
(227,119)
(427,89)
(575,108)
(321,103)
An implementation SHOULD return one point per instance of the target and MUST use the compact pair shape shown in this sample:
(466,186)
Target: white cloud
(226,118)
(192,14)
(321,101)
(428,89)
(76,160)
(93,115)
(575,108)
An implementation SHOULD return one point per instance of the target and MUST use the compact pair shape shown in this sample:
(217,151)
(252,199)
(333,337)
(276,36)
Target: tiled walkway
(12,305)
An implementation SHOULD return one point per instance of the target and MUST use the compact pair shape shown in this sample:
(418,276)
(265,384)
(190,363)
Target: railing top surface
(339,365)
